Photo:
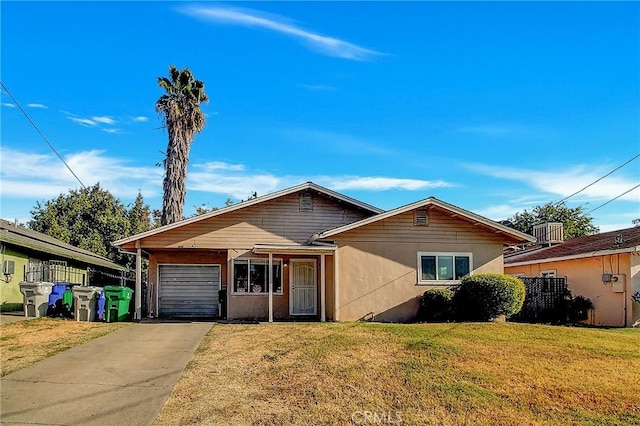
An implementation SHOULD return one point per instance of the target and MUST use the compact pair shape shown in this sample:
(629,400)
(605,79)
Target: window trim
(420,281)
(250,293)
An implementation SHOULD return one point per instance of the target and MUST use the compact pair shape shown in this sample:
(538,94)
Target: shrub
(436,305)
(486,296)
(579,308)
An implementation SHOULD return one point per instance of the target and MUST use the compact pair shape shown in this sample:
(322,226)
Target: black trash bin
(222,299)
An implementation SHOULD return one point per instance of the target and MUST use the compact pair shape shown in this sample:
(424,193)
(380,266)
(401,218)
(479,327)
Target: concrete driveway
(122,378)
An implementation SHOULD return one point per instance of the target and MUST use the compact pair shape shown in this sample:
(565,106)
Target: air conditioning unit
(549,233)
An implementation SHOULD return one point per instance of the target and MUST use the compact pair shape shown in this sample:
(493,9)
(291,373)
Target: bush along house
(310,253)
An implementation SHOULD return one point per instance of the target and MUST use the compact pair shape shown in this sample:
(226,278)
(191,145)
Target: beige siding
(378,263)
(443,228)
(277,221)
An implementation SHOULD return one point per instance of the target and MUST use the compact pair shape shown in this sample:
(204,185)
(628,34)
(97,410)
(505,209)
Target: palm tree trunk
(174,184)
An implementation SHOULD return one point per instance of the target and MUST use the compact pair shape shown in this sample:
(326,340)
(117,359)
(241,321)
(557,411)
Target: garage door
(189,290)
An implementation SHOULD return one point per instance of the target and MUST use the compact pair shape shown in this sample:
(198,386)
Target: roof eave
(431,201)
(634,249)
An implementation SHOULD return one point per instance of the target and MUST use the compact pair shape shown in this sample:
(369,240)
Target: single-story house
(27,255)
(603,267)
(308,252)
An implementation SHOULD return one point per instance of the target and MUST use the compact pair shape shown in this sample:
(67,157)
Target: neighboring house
(307,252)
(603,267)
(27,255)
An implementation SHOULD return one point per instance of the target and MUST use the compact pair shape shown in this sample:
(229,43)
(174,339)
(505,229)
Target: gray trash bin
(85,302)
(36,298)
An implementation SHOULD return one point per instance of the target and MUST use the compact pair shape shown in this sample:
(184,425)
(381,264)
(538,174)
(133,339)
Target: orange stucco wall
(612,302)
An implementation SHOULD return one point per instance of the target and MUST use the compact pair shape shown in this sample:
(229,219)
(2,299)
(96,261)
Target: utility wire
(598,180)
(613,199)
(40,133)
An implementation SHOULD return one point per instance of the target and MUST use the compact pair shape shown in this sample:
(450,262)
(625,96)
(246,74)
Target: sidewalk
(12,316)
(124,377)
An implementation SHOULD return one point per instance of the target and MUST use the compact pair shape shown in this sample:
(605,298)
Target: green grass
(445,374)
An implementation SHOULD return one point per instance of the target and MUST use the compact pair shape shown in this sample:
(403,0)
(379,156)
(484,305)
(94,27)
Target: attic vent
(306,202)
(549,233)
(420,218)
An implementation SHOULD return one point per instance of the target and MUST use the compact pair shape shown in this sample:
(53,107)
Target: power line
(40,133)
(598,180)
(613,199)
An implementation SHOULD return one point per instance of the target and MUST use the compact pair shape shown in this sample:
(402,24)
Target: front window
(251,276)
(443,266)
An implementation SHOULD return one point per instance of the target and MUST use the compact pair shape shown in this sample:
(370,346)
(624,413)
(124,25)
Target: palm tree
(182,116)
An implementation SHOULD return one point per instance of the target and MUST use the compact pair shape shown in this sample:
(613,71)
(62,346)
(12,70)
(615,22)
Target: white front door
(303,294)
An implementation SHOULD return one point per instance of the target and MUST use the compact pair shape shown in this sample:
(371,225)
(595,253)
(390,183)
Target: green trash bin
(117,303)
(67,299)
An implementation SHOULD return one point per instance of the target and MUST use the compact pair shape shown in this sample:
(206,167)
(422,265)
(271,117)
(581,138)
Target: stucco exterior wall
(10,285)
(612,307)
(634,262)
(379,279)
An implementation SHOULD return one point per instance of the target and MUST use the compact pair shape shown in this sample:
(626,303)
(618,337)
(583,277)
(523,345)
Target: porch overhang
(319,248)
(323,248)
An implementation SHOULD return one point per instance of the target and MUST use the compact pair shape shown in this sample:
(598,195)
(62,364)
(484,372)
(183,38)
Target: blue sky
(495,107)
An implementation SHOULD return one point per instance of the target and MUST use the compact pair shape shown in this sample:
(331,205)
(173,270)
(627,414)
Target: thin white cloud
(329,46)
(31,176)
(220,165)
(35,105)
(237,182)
(566,181)
(8,105)
(140,119)
(379,183)
(37,176)
(104,119)
(83,121)
(111,130)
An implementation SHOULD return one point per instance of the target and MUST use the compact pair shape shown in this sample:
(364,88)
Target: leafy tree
(91,219)
(204,207)
(180,109)
(139,216)
(576,222)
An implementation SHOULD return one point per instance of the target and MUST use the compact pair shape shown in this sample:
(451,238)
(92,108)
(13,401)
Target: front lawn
(26,342)
(443,374)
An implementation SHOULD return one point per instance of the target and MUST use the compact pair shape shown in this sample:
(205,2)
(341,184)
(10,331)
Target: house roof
(427,203)
(302,187)
(620,241)
(37,241)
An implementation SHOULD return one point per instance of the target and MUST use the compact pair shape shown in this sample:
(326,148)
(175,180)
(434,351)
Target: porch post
(322,288)
(138,292)
(270,274)
(336,280)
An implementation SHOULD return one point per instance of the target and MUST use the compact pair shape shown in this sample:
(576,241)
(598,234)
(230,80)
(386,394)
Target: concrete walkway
(123,378)
(15,316)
